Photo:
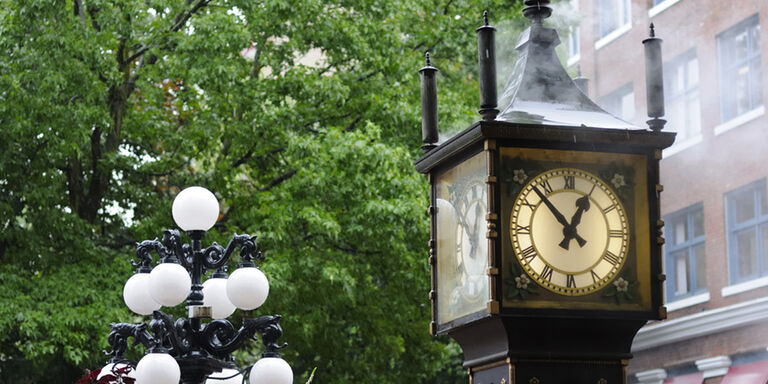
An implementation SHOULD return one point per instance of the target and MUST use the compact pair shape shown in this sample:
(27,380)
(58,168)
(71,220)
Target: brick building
(714,203)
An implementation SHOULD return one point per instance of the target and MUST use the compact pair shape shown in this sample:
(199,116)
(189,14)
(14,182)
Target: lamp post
(197,349)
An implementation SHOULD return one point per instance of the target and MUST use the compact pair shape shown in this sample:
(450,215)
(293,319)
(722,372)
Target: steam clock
(546,234)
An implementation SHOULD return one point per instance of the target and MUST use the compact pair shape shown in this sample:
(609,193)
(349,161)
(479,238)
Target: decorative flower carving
(618,180)
(621,285)
(519,176)
(522,282)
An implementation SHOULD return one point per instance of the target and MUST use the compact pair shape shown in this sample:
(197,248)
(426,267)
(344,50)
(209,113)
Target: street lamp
(197,349)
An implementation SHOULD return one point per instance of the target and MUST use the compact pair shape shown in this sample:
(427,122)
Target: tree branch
(278,180)
(179,22)
(243,159)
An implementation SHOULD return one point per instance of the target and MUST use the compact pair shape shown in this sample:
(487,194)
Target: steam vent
(540,90)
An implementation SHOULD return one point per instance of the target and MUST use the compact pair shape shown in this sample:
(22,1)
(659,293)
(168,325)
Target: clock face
(472,246)
(569,231)
(461,200)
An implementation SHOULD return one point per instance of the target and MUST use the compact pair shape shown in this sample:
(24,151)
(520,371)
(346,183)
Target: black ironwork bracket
(217,338)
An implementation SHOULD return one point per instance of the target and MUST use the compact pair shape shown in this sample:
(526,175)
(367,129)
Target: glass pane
(628,106)
(677,81)
(763,202)
(681,230)
(746,252)
(693,73)
(625,6)
(729,95)
(676,115)
(765,248)
(694,113)
(701,267)
(755,79)
(755,38)
(608,15)
(680,260)
(462,253)
(743,205)
(698,223)
(742,89)
(740,45)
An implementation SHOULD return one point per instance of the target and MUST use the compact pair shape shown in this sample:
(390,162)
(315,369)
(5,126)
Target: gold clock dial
(569,231)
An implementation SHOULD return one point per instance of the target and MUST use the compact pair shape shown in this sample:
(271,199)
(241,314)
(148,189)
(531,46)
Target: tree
(108,108)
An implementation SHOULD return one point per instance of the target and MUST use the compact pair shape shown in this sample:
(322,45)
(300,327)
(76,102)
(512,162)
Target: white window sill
(613,36)
(681,146)
(745,286)
(661,7)
(740,120)
(688,302)
(573,60)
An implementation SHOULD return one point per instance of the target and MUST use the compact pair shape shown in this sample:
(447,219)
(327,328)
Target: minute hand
(559,216)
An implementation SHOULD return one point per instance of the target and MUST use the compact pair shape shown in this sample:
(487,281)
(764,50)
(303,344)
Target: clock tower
(546,234)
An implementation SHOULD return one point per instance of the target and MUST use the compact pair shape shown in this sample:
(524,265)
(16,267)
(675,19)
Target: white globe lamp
(169,284)
(157,368)
(215,296)
(195,209)
(137,297)
(247,288)
(270,370)
(226,376)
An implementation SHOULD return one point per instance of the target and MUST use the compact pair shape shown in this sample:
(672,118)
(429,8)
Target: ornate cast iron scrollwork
(187,339)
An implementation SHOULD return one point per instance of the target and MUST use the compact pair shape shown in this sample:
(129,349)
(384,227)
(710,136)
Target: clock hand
(470,235)
(559,216)
(475,229)
(569,232)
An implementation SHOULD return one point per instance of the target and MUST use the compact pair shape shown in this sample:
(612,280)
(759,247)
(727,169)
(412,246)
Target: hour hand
(559,216)
(569,232)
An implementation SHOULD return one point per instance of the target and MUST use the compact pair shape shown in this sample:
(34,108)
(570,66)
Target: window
(740,74)
(573,36)
(620,103)
(684,252)
(747,221)
(614,14)
(681,77)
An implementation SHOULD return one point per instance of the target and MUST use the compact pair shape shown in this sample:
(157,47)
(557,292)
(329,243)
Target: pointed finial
(427,56)
(537,10)
(653,32)
(485,17)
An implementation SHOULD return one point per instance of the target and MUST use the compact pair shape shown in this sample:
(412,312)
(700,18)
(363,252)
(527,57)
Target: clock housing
(616,274)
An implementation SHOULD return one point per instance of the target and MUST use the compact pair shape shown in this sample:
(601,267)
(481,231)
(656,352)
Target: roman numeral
(570,281)
(609,208)
(570,182)
(595,277)
(546,186)
(615,233)
(529,205)
(546,273)
(611,258)
(522,230)
(529,254)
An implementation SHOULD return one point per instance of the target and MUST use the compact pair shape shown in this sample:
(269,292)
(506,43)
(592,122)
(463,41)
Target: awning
(693,378)
(753,373)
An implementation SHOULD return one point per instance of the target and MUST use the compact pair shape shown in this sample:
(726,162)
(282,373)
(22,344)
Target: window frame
(624,10)
(733,229)
(727,65)
(671,247)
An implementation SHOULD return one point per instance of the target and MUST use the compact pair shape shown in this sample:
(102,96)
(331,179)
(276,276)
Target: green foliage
(109,108)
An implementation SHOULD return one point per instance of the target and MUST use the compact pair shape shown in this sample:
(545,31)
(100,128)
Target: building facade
(714,202)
